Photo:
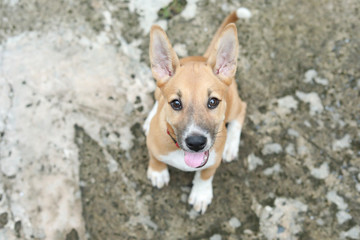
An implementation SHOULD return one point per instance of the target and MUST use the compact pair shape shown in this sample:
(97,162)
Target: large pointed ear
(223,58)
(163,58)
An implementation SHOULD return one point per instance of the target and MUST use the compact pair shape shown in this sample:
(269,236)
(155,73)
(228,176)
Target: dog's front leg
(233,133)
(202,191)
(157,172)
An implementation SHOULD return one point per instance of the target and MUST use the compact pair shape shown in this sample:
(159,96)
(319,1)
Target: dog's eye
(176,104)
(213,103)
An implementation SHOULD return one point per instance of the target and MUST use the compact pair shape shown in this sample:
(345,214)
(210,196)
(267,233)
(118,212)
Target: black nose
(196,142)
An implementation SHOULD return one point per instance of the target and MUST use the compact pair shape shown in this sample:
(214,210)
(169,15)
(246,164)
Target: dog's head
(195,90)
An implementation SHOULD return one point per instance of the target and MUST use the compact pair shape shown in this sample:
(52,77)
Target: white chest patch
(176,159)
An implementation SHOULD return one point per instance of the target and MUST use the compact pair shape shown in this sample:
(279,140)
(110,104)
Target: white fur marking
(232,141)
(158,179)
(147,122)
(176,159)
(243,13)
(201,193)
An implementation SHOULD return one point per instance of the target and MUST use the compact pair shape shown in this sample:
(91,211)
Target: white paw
(232,143)
(158,179)
(146,125)
(201,193)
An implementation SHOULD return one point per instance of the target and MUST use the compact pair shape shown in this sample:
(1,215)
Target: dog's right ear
(163,58)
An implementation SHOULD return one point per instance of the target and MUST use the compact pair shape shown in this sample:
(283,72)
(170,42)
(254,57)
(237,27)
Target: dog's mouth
(197,159)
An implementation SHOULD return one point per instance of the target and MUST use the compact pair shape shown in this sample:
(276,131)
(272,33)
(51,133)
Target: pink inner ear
(162,60)
(226,70)
(162,71)
(225,64)
(225,59)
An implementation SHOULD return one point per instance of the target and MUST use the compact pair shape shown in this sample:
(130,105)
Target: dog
(198,115)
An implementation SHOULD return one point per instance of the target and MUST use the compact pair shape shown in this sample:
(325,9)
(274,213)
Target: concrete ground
(75,88)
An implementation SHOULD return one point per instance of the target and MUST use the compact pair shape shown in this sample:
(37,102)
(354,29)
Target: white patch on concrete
(234,222)
(342,216)
(201,193)
(282,221)
(232,143)
(190,10)
(253,162)
(286,105)
(313,99)
(357,186)
(271,170)
(158,179)
(215,237)
(148,11)
(342,143)
(176,159)
(146,125)
(144,220)
(10,165)
(184,197)
(107,20)
(243,13)
(11,3)
(290,149)
(322,172)
(352,233)
(307,123)
(131,49)
(333,197)
(57,82)
(112,165)
(225,7)
(321,81)
(320,222)
(310,75)
(181,50)
(126,138)
(193,214)
(293,132)
(271,148)
(302,148)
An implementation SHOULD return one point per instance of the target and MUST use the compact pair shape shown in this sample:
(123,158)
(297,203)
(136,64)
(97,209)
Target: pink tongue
(194,159)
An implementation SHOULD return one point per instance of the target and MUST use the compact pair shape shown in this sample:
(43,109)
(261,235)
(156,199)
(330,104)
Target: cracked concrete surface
(75,88)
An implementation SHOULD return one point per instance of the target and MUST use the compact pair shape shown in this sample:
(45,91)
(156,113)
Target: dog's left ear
(163,58)
(223,58)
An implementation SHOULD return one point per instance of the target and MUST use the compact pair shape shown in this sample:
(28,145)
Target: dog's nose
(196,142)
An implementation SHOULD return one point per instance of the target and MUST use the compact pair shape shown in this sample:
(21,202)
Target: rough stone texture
(75,88)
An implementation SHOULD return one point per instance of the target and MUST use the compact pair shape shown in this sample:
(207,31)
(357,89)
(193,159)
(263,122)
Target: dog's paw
(232,143)
(158,179)
(201,193)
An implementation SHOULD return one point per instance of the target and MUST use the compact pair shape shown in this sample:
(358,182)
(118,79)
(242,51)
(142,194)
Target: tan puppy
(195,98)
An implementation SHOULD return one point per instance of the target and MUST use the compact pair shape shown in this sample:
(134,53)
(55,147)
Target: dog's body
(195,98)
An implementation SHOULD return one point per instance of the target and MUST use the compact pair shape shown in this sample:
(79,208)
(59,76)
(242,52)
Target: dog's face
(196,106)
(194,90)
